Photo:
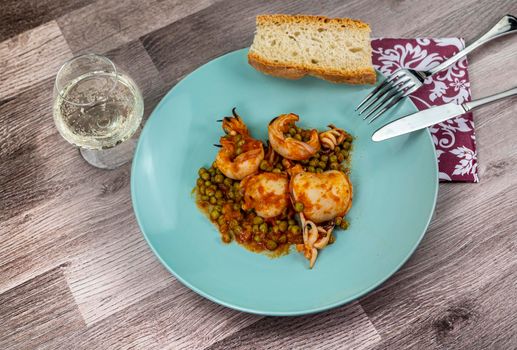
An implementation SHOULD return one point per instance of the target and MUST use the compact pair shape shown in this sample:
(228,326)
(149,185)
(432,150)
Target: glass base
(110,158)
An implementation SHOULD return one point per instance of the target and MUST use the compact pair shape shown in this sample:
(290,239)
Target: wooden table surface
(75,271)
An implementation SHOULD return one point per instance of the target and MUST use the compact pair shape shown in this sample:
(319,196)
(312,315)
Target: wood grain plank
(347,327)
(19,16)
(174,318)
(37,311)
(30,58)
(105,25)
(475,319)
(447,265)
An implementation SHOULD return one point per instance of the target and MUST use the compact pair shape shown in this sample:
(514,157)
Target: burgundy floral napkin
(454,139)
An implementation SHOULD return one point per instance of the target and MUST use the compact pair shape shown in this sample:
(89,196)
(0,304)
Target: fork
(404,81)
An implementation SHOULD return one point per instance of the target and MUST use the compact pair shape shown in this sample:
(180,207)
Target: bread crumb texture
(335,49)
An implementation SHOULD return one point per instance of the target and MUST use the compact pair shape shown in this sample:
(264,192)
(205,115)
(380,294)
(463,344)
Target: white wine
(103,124)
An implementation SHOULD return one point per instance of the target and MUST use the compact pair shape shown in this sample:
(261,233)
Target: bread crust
(361,76)
(358,76)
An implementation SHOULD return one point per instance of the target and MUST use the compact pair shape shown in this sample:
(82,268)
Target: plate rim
(250,309)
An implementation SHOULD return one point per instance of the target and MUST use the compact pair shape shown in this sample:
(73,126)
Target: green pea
(208,183)
(334,166)
(333,158)
(322,164)
(241,143)
(324,158)
(264,165)
(221,221)
(236,207)
(317,155)
(257,238)
(257,220)
(201,171)
(313,162)
(319,170)
(227,181)
(346,145)
(255,228)
(210,192)
(292,131)
(298,206)
(218,194)
(202,189)
(214,214)
(282,239)
(271,245)
(311,169)
(295,229)
(220,201)
(204,198)
(291,222)
(205,176)
(340,158)
(298,137)
(200,182)
(238,137)
(227,238)
(337,149)
(263,227)
(277,171)
(344,225)
(304,162)
(338,220)
(218,178)
(211,171)
(282,226)
(238,151)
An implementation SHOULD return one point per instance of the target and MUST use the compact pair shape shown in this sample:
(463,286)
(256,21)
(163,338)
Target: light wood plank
(38,311)
(30,58)
(347,327)
(105,25)
(174,318)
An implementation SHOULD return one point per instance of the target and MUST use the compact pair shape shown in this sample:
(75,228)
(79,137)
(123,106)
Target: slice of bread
(334,49)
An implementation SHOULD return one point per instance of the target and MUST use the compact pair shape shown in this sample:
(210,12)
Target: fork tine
(393,102)
(374,99)
(398,88)
(387,89)
(377,89)
(373,92)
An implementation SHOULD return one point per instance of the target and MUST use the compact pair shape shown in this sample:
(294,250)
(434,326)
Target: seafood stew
(292,190)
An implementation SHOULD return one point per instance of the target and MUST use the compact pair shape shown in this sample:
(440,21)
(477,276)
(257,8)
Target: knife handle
(489,99)
(506,25)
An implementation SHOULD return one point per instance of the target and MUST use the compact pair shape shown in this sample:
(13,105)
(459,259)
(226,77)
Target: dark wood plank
(105,25)
(37,311)
(30,58)
(19,16)
(347,327)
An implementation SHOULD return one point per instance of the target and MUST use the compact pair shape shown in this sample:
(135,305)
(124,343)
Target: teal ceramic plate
(395,186)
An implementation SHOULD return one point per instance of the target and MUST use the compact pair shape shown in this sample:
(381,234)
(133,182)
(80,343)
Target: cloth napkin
(454,139)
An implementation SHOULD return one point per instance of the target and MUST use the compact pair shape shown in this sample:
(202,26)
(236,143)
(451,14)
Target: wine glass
(97,107)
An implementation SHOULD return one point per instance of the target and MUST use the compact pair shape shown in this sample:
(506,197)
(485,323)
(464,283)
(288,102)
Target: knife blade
(419,120)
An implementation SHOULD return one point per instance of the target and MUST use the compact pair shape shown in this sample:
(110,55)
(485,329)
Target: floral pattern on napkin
(454,139)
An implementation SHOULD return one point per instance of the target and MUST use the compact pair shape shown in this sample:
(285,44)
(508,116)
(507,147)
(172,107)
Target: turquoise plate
(395,186)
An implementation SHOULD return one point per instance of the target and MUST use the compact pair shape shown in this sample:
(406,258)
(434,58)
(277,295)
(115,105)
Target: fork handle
(506,25)
(489,99)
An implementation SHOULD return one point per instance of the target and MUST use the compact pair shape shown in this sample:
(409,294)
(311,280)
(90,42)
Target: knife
(434,115)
